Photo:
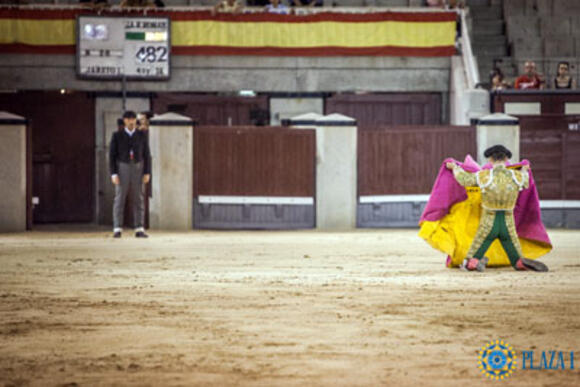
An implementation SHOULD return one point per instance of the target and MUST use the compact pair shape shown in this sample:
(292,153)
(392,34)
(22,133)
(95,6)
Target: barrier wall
(397,166)
(254,177)
(550,137)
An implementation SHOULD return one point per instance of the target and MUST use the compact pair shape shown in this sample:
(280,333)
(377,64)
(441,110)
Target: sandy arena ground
(306,308)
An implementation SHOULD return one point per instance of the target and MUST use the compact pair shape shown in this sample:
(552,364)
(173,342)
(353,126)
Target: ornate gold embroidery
(499,187)
(485,226)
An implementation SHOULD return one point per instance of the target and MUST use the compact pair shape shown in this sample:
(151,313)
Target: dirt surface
(307,308)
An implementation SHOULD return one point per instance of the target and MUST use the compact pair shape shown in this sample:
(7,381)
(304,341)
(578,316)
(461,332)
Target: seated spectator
(276,6)
(497,80)
(563,80)
(531,79)
(228,6)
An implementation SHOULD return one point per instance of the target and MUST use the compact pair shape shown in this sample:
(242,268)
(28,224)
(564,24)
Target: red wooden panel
(208,109)
(571,165)
(544,150)
(550,142)
(388,109)
(254,161)
(548,122)
(406,159)
(555,158)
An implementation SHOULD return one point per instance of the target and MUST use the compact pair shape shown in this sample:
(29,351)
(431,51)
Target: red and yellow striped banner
(201,33)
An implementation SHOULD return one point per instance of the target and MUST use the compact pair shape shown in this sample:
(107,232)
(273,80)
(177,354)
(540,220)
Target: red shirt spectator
(531,79)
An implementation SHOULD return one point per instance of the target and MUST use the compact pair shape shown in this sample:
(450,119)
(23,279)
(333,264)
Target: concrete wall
(107,112)
(232,73)
(13,177)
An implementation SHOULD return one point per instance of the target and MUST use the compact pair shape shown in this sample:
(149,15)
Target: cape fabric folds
(451,218)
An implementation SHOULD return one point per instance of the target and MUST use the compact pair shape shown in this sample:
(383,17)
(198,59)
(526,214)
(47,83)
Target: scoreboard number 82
(151,54)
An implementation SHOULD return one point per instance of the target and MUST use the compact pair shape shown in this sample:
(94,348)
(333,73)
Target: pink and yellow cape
(451,217)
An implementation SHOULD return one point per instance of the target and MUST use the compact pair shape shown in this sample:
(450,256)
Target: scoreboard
(117,47)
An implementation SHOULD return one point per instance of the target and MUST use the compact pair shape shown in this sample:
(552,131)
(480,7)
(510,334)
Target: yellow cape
(454,233)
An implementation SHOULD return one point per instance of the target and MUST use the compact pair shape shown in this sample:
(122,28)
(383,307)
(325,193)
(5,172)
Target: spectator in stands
(497,80)
(563,80)
(143,120)
(276,6)
(531,79)
(228,6)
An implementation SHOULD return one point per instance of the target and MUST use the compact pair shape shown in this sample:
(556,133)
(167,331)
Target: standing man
(500,188)
(130,166)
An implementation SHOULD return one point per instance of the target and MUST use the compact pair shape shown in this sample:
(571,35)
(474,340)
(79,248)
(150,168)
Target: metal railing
(469,61)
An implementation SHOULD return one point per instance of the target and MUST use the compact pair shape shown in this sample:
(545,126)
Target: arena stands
(488,35)
(246,71)
(545,31)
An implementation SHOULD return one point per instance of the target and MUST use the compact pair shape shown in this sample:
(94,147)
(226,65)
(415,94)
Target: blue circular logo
(497,360)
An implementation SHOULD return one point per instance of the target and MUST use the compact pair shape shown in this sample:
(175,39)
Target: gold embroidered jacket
(499,186)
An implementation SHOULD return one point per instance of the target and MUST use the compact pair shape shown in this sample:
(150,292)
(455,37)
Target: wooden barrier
(397,166)
(400,160)
(254,177)
(549,137)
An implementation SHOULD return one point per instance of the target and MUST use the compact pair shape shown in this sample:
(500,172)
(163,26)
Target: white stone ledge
(285,200)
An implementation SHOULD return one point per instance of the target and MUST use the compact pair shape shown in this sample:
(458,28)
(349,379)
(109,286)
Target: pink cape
(446,192)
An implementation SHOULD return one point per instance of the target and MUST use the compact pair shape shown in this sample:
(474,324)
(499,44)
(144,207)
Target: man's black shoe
(117,234)
(141,234)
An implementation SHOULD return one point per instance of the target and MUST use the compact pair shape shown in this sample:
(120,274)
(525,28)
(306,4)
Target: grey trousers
(131,177)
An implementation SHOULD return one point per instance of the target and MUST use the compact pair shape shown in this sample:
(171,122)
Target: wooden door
(63,158)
